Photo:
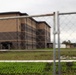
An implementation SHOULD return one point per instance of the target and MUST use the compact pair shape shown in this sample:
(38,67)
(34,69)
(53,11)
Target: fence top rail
(68,13)
(27,16)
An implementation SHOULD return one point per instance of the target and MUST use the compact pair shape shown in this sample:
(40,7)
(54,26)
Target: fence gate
(66,39)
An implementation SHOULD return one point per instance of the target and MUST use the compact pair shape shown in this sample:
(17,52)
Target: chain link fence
(29,38)
(68,30)
(37,37)
(67,23)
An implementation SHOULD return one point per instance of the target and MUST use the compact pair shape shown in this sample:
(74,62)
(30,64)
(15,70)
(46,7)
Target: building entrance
(6,45)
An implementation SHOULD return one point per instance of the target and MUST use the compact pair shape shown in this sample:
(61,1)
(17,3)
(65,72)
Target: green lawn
(36,68)
(35,55)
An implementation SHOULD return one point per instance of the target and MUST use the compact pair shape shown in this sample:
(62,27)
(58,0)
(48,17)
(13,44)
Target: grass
(21,68)
(35,55)
(9,68)
(24,55)
(15,68)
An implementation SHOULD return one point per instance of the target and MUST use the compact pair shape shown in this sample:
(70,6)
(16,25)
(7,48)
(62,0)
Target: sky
(33,7)
(38,6)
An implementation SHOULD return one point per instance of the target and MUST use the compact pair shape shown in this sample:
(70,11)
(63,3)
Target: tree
(69,41)
(66,42)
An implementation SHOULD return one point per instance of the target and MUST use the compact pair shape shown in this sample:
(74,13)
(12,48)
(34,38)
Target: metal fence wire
(36,41)
(68,29)
(24,37)
(67,23)
(67,41)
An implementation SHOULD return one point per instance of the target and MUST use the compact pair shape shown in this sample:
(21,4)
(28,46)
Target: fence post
(54,46)
(56,30)
(58,33)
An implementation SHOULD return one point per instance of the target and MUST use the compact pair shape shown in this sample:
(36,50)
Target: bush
(69,64)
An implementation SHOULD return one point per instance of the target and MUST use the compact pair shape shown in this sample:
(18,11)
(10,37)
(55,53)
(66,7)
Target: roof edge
(44,22)
(2,13)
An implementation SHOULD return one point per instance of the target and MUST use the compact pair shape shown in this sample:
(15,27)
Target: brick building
(24,33)
(43,34)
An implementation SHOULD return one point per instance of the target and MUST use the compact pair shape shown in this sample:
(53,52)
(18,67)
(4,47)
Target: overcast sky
(37,6)
(32,7)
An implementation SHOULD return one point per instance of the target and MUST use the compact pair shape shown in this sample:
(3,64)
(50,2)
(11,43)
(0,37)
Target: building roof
(21,14)
(4,13)
(44,23)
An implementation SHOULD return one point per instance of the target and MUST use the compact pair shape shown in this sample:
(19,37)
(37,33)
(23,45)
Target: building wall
(29,30)
(23,33)
(9,30)
(47,35)
(43,35)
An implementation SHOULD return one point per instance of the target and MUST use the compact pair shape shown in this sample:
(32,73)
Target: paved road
(36,60)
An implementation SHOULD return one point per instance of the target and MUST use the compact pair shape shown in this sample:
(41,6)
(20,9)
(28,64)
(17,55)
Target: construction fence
(38,37)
